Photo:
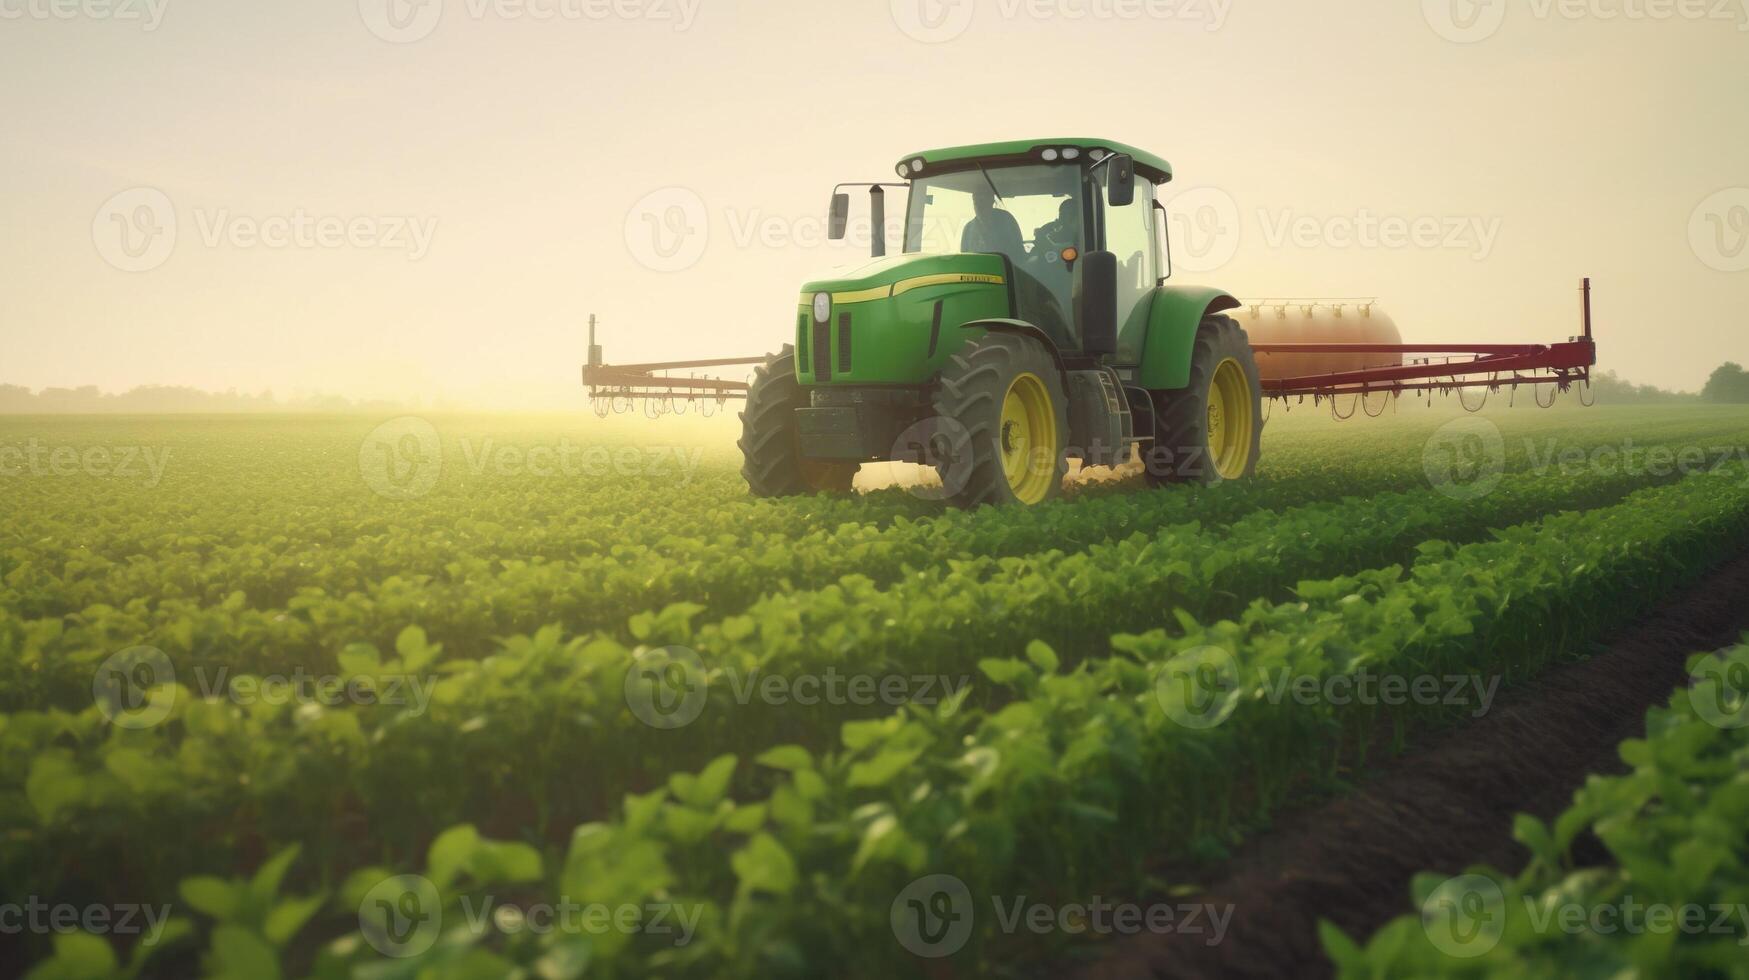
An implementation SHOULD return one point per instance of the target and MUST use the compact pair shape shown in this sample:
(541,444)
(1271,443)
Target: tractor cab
(1039,209)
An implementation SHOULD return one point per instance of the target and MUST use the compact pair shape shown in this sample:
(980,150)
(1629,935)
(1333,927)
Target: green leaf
(451,853)
(789,758)
(1342,950)
(764,865)
(241,955)
(211,896)
(1004,671)
(882,768)
(77,956)
(360,658)
(704,790)
(565,960)
(414,649)
(288,917)
(54,783)
(265,885)
(506,862)
(1042,656)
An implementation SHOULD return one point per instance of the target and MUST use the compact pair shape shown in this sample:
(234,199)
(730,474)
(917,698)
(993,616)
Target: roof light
(1049,154)
(904,170)
(917,165)
(1097,155)
(1071,152)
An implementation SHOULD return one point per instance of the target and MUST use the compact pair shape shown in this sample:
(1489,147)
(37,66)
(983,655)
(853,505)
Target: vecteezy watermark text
(668,687)
(33,458)
(33,915)
(137,688)
(138,230)
(1466,916)
(147,13)
(403,916)
(934,916)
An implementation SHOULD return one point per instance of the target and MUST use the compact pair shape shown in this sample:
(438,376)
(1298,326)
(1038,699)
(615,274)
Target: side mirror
(840,216)
(1120,181)
(1095,286)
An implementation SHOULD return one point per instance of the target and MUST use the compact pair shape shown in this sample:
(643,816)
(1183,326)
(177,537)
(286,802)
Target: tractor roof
(1148,165)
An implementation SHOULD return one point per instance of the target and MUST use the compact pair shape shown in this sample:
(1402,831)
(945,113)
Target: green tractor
(1024,320)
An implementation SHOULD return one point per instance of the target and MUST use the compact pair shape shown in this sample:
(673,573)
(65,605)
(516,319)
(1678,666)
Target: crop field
(481,696)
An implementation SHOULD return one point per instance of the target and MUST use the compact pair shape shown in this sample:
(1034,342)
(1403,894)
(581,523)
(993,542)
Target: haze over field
(426,201)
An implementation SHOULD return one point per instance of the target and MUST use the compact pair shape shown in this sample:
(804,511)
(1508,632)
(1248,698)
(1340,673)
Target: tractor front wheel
(1002,398)
(772,461)
(1212,428)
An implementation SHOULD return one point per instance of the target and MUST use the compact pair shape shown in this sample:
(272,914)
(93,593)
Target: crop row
(296,601)
(527,725)
(1092,765)
(1671,900)
(800,871)
(292,570)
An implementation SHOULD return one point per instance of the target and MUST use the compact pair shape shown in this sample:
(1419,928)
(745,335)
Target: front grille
(843,343)
(822,350)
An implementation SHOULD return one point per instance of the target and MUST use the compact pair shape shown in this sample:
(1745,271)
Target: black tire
(773,465)
(969,399)
(1180,453)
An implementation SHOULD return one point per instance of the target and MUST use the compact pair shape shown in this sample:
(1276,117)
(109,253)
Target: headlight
(822,307)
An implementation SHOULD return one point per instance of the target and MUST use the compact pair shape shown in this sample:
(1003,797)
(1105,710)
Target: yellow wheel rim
(1232,424)
(1027,440)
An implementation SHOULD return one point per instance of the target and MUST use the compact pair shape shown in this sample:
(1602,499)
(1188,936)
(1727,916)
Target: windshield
(1028,213)
(993,209)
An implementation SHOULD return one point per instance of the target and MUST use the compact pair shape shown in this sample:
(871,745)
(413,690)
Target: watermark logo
(135,231)
(1465,916)
(933,916)
(1205,228)
(945,445)
(667,687)
(401,916)
(401,21)
(1465,458)
(402,458)
(668,229)
(135,688)
(1718,230)
(1719,689)
(1464,21)
(933,21)
(1198,688)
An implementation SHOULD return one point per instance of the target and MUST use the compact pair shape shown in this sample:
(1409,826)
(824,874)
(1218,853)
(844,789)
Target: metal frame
(1458,366)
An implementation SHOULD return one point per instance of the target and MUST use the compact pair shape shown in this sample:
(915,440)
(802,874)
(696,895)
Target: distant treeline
(1728,385)
(168,400)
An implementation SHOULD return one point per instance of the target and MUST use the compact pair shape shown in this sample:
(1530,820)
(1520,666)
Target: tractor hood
(895,320)
(896,275)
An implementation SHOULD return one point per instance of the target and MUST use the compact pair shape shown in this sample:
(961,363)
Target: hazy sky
(411,199)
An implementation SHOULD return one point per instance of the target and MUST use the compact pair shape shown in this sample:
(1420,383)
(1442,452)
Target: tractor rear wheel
(773,465)
(1211,429)
(1003,398)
